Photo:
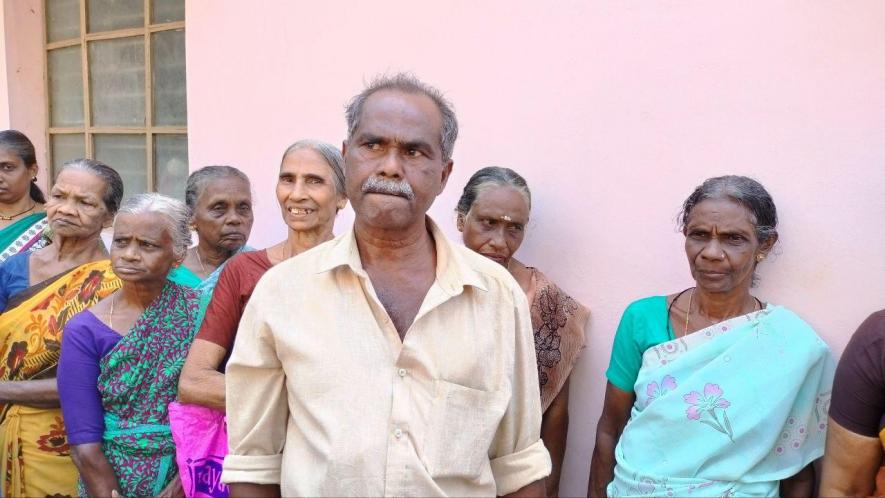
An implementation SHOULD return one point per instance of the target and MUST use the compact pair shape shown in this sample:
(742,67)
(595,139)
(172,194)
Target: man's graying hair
(198,180)
(743,190)
(491,175)
(407,83)
(175,212)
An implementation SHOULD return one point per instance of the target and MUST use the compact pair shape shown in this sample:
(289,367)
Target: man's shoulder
(495,277)
(298,270)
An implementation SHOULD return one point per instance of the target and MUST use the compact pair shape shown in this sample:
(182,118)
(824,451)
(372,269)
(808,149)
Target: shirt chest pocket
(463,423)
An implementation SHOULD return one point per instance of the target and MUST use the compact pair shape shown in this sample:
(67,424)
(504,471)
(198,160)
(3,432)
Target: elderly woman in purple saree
(123,356)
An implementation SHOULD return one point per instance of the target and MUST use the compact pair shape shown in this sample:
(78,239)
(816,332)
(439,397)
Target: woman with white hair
(121,358)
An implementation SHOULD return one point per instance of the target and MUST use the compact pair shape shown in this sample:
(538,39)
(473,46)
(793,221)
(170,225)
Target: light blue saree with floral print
(727,411)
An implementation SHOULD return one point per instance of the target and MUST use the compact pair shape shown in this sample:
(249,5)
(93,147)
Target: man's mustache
(378,185)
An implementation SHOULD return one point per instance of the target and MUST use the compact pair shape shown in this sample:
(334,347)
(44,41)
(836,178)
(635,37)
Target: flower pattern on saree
(555,309)
(821,409)
(16,357)
(710,403)
(138,380)
(56,440)
(653,390)
(90,285)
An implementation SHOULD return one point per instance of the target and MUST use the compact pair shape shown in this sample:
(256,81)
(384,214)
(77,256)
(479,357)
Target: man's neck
(383,247)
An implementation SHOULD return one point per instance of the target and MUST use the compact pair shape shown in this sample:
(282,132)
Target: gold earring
(760,257)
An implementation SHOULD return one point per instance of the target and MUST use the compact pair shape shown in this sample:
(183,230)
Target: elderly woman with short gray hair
(121,358)
(711,391)
(220,202)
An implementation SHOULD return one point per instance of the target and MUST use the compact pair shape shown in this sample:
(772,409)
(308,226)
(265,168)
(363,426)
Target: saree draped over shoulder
(24,235)
(204,287)
(34,453)
(138,380)
(558,322)
(727,411)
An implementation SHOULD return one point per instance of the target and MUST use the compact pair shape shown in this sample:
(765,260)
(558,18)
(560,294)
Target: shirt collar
(453,273)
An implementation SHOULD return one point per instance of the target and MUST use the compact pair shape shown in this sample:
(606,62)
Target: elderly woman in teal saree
(712,392)
(123,356)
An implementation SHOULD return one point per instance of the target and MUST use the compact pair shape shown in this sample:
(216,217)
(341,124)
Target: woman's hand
(95,470)
(173,489)
(615,413)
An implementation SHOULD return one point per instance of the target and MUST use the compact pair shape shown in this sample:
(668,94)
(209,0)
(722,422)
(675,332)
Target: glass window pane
(167,57)
(65,87)
(116,79)
(127,155)
(170,163)
(107,15)
(62,19)
(66,147)
(167,11)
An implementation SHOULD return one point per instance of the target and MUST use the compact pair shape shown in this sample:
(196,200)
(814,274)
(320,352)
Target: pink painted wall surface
(613,111)
(24,35)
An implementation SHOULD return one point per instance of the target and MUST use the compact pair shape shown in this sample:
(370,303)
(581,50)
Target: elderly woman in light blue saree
(712,392)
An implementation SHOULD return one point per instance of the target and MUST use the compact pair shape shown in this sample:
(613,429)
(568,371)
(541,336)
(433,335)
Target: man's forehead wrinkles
(409,136)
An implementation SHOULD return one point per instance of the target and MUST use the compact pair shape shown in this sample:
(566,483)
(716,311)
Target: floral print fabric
(34,453)
(729,410)
(138,380)
(558,323)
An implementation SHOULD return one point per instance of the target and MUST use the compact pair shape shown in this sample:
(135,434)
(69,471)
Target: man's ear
(459,222)
(108,221)
(342,203)
(446,172)
(343,148)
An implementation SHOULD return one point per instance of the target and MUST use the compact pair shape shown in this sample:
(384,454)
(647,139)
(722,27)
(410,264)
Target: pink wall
(24,35)
(613,112)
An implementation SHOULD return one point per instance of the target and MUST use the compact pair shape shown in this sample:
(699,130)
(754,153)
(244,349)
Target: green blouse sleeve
(643,325)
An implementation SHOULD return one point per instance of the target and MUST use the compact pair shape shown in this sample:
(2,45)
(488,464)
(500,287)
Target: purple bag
(200,436)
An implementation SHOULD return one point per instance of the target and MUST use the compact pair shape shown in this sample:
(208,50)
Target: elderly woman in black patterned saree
(493,213)
(39,292)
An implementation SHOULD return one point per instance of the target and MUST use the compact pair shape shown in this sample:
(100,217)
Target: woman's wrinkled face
(495,224)
(142,249)
(721,245)
(223,213)
(306,192)
(75,207)
(15,176)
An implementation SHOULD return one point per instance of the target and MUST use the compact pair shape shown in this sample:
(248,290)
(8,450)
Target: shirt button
(397,433)
(401,372)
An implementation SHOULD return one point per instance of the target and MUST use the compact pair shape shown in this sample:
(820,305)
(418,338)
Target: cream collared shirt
(325,399)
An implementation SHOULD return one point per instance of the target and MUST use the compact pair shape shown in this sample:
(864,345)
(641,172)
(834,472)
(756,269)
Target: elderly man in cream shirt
(388,361)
